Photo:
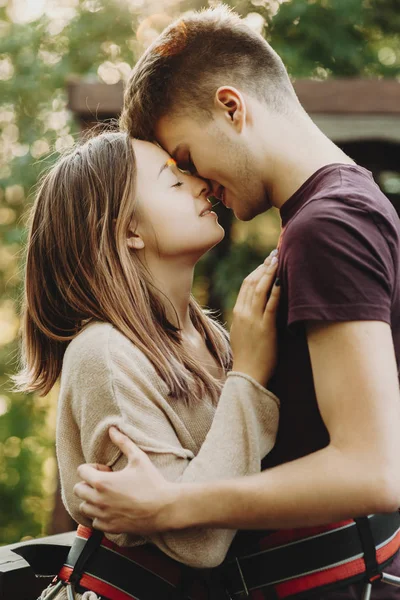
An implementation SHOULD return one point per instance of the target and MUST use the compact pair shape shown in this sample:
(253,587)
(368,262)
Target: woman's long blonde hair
(79,269)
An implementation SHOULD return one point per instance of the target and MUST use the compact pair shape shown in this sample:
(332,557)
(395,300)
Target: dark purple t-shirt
(338,261)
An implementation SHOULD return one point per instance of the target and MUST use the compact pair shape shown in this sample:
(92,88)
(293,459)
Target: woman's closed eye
(177,184)
(174,169)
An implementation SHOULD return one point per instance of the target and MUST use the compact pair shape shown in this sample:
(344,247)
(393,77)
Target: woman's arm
(243,431)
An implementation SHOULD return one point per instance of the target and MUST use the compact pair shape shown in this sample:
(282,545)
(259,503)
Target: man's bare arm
(357,389)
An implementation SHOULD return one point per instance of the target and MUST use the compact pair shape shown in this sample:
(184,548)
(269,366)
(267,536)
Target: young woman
(115,234)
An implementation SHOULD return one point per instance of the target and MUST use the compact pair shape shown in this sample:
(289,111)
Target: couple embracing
(260,466)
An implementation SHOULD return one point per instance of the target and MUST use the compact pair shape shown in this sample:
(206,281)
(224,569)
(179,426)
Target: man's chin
(246,213)
(243,216)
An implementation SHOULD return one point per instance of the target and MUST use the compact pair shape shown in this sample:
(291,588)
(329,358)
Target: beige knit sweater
(107,381)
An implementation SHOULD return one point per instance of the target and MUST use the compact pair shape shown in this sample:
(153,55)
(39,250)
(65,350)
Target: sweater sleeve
(242,432)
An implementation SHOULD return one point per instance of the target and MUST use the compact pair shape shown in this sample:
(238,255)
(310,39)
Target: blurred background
(62,66)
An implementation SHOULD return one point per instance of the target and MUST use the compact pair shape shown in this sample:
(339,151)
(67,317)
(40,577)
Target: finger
(268,276)
(247,288)
(239,300)
(86,492)
(260,296)
(90,510)
(91,475)
(270,261)
(271,256)
(100,467)
(103,525)
(250,285)
(243,295)
(125,444)
(273,301)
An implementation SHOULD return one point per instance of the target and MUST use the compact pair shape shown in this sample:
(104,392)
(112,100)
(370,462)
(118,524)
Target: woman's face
(171,220)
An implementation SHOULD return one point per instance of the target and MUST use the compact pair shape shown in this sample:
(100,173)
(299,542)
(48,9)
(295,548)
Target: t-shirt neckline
(291,206)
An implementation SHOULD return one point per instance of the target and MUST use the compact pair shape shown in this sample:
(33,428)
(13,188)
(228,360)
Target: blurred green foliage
(102,39)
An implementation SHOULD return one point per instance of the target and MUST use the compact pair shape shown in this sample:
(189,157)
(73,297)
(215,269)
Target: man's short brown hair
(181,71)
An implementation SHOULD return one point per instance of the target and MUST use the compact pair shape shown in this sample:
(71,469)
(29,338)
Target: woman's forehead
(151,160)
(148,151)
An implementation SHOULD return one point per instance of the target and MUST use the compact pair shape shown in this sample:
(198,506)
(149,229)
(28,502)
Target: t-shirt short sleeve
(336,265)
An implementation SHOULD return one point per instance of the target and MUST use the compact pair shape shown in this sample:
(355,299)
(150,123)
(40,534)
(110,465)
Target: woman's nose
(203,187)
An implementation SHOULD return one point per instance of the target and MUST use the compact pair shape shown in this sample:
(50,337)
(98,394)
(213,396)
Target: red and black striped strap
(326,557)
(137,573)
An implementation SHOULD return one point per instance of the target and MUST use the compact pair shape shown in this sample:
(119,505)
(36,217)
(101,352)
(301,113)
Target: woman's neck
(173,286)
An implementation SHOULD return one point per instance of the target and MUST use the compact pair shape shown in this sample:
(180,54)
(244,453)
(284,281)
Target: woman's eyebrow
(169,163)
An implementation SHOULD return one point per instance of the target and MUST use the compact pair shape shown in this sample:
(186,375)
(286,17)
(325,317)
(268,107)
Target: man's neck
(306,150)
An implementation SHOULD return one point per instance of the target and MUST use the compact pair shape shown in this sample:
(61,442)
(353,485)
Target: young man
(219,100)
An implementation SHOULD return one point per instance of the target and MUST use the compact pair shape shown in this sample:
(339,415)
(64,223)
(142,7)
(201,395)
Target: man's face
(212,150)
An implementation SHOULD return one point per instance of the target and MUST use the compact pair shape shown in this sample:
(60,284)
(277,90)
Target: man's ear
(232,103)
